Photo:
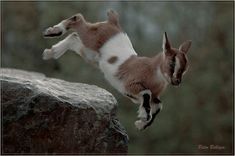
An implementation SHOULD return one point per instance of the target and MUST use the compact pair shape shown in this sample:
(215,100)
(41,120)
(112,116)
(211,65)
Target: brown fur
(139,73)
(183,60)
(94,35)
(112,59)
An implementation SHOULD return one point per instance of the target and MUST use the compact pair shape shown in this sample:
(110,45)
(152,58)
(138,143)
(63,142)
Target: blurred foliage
(200,112)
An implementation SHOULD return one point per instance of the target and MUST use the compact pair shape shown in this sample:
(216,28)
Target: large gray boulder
(46,115)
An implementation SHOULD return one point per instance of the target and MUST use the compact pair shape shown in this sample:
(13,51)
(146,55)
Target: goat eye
(172,64)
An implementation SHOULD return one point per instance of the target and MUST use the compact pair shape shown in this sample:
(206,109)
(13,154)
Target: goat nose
(178,81)
(44,32)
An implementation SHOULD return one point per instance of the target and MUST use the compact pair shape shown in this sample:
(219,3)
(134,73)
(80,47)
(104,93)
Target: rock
(46,115)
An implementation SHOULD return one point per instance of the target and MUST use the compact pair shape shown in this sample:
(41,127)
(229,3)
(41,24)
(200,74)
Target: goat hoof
(149,117)
(145,118)
(53,32)
(47,54)
(139,124)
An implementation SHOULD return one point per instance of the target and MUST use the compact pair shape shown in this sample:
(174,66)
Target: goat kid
(106,46)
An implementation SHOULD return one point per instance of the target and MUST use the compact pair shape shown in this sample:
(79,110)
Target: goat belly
(113,54)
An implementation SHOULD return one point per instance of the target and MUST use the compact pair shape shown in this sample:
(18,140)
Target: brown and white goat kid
(106,46)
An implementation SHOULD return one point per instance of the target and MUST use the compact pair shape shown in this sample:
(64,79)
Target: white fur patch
(177,66)
(142,113)
(71,42)
(90,55)
(155,107)
(61,26)
(74,43)
(121,47)
(146,92)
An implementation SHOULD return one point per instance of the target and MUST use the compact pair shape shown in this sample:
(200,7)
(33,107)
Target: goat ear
(73,18)
(184,47)
(78,18)
(113,17)
(165,43)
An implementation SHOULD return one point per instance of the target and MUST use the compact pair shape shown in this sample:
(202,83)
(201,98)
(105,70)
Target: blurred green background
(199,112)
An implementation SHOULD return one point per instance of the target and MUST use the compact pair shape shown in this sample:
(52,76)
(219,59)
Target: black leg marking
(157,102)
(153,117)
(146,104)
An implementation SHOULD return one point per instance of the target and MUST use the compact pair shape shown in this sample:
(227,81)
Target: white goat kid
(106,46)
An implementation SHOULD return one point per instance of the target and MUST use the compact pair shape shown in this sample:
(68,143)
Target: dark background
(200,112)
